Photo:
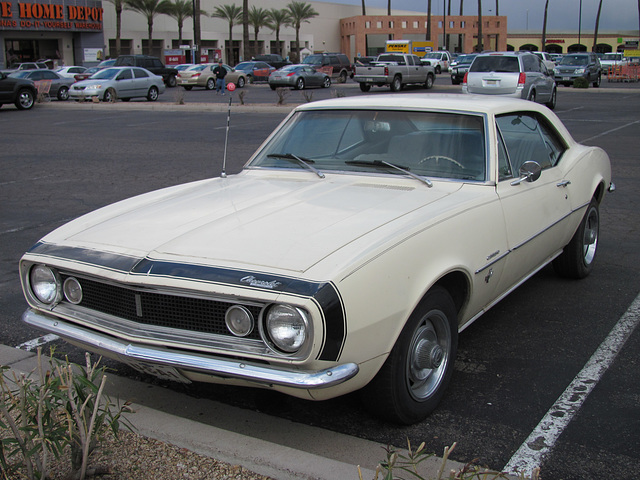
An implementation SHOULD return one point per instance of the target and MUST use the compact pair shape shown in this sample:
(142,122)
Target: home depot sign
(46,16)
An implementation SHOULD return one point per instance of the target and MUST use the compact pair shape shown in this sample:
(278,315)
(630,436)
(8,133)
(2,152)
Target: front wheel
(415,376)
(429,82)
(63,93)
(596,84)
(552,102)
(152,96)
(25,99)
(109,95)
(576,260)
(365,87)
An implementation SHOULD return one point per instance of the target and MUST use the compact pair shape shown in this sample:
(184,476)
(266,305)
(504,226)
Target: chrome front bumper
(191,361)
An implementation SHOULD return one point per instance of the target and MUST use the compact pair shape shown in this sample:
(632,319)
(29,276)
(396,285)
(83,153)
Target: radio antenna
(226,139)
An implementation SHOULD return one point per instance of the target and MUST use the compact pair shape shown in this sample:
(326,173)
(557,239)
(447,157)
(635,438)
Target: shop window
(126,47)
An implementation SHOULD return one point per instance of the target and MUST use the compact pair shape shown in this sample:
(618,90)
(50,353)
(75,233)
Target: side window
(49,75)
(528,137)
(138,73)
(124,75)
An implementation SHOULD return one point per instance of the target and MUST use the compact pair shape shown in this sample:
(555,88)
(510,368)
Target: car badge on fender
(254,282)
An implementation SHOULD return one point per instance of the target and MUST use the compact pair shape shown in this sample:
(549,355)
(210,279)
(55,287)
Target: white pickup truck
(395,70)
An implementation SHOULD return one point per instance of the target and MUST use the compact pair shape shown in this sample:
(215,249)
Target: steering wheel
(437,158)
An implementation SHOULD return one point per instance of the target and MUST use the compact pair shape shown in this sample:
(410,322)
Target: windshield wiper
(383,163)
(305,162)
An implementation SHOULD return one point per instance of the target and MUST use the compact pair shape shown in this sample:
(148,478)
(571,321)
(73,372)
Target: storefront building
(606,42)
(68,32)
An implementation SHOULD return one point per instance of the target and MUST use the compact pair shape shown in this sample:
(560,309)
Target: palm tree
(595,35)
(497,8)
(429,20)
(364,9)
(460,35)
(180,10)
(246,54)
(544,25)
(480,47)
(389,7)
(149,9)
(277,20)
(299,12)
(119,4)
(258,18)
(233,16)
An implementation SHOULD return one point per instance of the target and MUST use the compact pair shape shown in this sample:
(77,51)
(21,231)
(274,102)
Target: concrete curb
(267,445)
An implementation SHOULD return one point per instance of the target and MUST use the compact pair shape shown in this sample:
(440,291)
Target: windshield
(435,145)
(464,59)
(573,60)
(106,74)
(433,55)
(244,66)
(22,74)
(313,60)
(612,56)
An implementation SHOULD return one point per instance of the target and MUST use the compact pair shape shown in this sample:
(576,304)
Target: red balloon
(231,87)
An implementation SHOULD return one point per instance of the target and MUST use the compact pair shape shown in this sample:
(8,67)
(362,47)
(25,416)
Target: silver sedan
(298,77)
(119,82)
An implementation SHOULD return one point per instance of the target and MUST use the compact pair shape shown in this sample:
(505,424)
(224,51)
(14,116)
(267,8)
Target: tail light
(291,74)
(195,75)
(386,71)
(522,79)
(464,80)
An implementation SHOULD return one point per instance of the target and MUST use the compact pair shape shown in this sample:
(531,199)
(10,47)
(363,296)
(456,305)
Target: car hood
(274,221)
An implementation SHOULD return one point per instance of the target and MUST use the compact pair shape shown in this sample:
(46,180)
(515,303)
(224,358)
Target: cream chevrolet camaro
(358,241)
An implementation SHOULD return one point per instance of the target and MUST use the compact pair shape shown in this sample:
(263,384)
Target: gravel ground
(134,457)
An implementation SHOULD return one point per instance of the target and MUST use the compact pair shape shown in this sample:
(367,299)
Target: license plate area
(163,372)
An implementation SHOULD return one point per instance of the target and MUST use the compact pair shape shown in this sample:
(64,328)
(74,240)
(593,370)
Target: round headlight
(45,284)
(286,327)
(239,321)
(72,290)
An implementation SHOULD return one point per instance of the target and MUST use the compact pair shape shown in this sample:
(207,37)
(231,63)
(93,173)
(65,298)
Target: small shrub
(179,96)
(241,96)
(337,93)
(307,95)
(581,82)
(282,94)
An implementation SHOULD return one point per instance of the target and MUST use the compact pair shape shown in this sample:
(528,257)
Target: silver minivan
(512,74)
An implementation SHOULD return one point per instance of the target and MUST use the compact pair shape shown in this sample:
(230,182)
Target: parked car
(273,59)
(151,64)
(59,87)
(609,60)
(70,71)
(125,83)
(460,66)
(255,71)
(439,60)
(87,73)
(29,66)
(237,77)
(200,75)
(576,65)
(546,59)
(337,65)
(107,63)
(355,245)
(299,77)
(513,74)
(19,91)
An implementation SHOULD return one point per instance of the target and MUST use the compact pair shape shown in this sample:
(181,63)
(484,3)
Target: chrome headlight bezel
(236,329)
(286,329)
(45,285)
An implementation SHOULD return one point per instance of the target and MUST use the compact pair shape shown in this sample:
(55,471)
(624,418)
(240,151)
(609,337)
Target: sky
(522,15)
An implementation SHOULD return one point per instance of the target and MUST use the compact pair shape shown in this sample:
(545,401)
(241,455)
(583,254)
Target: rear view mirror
(375,127)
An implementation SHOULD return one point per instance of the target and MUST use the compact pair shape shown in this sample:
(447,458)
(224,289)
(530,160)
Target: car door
(534,211)
(124,84)
(141,82)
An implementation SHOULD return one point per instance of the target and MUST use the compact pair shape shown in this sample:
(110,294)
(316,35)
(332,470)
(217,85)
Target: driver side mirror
(529,171)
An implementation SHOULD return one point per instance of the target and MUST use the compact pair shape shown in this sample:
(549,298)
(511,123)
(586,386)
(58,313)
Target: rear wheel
(438,69)
(343,77)
(171,81)
(365,87)
(326,83)
(396,84)
(414,377)
(240,82)
(273,87)
(211,84)
(187,87)
(532,96)
(576,260)
(300,84)
(152,96)
(25,99)
(63,93)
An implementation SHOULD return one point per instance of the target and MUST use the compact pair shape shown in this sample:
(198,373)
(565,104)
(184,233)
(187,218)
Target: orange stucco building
(367,34)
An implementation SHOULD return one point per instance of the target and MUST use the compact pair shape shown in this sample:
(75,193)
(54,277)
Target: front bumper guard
(190,361)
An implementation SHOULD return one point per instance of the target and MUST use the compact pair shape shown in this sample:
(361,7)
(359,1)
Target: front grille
(159,309)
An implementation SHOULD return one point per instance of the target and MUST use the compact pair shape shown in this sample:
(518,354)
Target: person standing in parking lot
(220,72)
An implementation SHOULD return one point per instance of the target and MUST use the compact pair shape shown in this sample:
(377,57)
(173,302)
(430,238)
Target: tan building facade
(572,42)
(366,35)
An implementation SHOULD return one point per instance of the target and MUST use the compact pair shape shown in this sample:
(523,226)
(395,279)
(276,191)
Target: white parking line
(37,342)
(609,131)
(543,438)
